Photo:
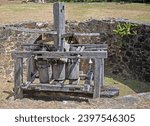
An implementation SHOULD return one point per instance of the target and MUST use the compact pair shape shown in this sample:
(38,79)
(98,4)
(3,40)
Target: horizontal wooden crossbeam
(54,54)
(58,87)
(41,31)
(90,47)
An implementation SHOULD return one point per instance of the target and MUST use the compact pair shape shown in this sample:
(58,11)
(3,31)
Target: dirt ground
(10,1)
(138,101)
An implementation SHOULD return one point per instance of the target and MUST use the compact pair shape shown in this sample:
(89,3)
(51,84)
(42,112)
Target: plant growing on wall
(125,29)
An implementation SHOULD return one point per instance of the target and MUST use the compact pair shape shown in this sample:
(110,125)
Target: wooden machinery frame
(96,52)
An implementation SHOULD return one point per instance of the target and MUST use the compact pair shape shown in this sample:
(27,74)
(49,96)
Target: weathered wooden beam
(102,74)
(87,47)
(29,44)
(59,24)
(21,54)
(94,49)
(18,78)
(74,34)
(103,46)
(58,87)
(50,32)
(41,31)
(97,78)
(74,54)
(31,68)
(70,54)
(67,35)
(86,34)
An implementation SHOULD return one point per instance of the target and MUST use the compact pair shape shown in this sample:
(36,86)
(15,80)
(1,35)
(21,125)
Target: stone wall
(127,56)
(11,40)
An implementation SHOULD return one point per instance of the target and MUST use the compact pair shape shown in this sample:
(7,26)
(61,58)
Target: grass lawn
(74,11)
(127,87)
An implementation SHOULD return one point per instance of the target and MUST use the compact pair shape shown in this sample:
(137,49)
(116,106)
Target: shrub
(125,29)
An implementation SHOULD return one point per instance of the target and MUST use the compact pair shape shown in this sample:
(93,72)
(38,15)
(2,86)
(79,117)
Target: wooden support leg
(102,74)
(18,78)
(97,78)
(31,68)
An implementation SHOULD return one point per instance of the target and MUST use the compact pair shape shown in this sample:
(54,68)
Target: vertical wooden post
(59,24)
(102,74)
(97,78)
(31,68)
(18,78)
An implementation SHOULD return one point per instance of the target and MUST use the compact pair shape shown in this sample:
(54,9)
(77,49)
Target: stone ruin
(130,60)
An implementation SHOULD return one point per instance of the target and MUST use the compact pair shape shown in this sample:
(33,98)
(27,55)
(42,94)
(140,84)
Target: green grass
(74,11)
(102,10)
(19,8)
(127,87)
